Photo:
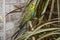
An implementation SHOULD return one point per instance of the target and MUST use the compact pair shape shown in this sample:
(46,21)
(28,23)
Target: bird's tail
(19,32)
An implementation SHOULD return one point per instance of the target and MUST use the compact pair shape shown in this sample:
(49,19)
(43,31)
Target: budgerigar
(28,14)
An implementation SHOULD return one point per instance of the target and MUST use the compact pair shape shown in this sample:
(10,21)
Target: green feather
(28,13)
(33,13)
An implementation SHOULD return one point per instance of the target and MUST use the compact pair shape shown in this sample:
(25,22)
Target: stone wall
(11,20)
(1,21)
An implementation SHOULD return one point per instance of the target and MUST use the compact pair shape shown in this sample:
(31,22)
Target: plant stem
(58,9)
(33,38)
(51,11)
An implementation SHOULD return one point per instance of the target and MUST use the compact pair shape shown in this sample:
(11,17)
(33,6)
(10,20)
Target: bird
(28,14)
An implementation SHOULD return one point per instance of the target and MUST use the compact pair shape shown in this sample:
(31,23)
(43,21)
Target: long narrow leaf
(51,11)
(44,30)
(58,8)
(47,35)
(58,38)
(47,2)
(46,24)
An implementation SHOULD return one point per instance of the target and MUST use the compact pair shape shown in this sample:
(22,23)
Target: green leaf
(49,34)
(58,38)
(52,7)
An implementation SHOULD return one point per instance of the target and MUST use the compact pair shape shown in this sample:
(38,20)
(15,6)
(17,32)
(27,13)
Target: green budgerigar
(28,14)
